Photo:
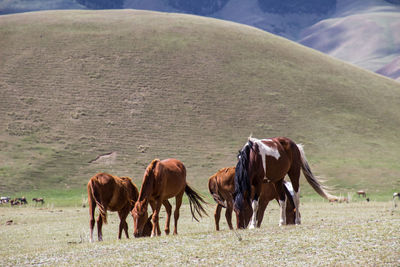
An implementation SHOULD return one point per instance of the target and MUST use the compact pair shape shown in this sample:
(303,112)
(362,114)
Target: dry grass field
(346,234)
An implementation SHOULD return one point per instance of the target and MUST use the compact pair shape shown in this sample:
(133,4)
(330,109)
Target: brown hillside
(136,85)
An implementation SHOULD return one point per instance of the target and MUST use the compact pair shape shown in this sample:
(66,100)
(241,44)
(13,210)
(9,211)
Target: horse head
(140,216)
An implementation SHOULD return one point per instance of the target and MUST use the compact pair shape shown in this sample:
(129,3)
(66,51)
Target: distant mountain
(365,33)
(391,70)
(362,32)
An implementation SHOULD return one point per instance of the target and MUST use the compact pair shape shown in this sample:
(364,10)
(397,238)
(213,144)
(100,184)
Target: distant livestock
(110,193)
(396,195)
(4,200)
(40,200)
(18,201)
(361,193)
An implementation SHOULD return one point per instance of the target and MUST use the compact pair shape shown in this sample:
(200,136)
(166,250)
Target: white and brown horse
(222,186)
(268,161)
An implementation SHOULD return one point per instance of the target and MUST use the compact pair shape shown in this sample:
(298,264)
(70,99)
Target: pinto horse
(110,193)
(163,180)
(268,161)
(222,186)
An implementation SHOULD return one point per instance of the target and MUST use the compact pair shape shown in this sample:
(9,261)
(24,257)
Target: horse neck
(147,186)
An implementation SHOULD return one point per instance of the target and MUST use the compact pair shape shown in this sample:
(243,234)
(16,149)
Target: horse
(5,199)
(22,200)
(361,193)
(41,200)
(111,193)
(163,180)
(221,186)
(269,161)
(395,195)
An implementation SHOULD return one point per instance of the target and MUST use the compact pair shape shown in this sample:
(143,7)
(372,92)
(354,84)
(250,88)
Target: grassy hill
(137,85)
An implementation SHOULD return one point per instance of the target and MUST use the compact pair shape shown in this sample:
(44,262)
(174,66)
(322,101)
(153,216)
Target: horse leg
(261,211)
(217,215)
(254,206)
(156,206)
(99,226)
(178,200)
(228,214)
(168,209)
(294,175)
(122,223)
(282,202)
(92,207)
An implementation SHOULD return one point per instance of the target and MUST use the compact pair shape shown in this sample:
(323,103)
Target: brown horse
(110,193)
(41,200)
(163,180)
(268,161)
(221,186)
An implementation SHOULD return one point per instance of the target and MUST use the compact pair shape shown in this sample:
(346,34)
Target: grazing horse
(222,186)
(361,193)
(5,199)
(268,161)
(395,195)
(110,193)
(41,200)
(163,180)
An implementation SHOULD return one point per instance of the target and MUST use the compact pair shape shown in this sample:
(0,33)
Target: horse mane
(148,179)
(242,179)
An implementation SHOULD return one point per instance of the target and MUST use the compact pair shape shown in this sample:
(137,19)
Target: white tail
(312,180)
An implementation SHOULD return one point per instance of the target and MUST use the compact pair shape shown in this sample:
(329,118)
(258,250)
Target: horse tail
(213,188)
(195,201)
(242,180)
(312,180)
(95,196)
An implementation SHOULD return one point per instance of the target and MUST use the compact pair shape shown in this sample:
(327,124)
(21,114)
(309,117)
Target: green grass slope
(76,85)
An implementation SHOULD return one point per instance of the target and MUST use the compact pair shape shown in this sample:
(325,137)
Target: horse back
(112,192)
(170,174)
(290,148)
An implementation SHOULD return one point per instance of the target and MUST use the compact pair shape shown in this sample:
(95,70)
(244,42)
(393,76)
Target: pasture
(359,233)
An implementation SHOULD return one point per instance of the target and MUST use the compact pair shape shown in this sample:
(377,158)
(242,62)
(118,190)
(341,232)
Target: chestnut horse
(221,186)
(163,180)
(110,193)
(268,161)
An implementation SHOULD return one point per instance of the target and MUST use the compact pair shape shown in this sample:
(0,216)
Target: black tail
(242,180)
(195,202)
